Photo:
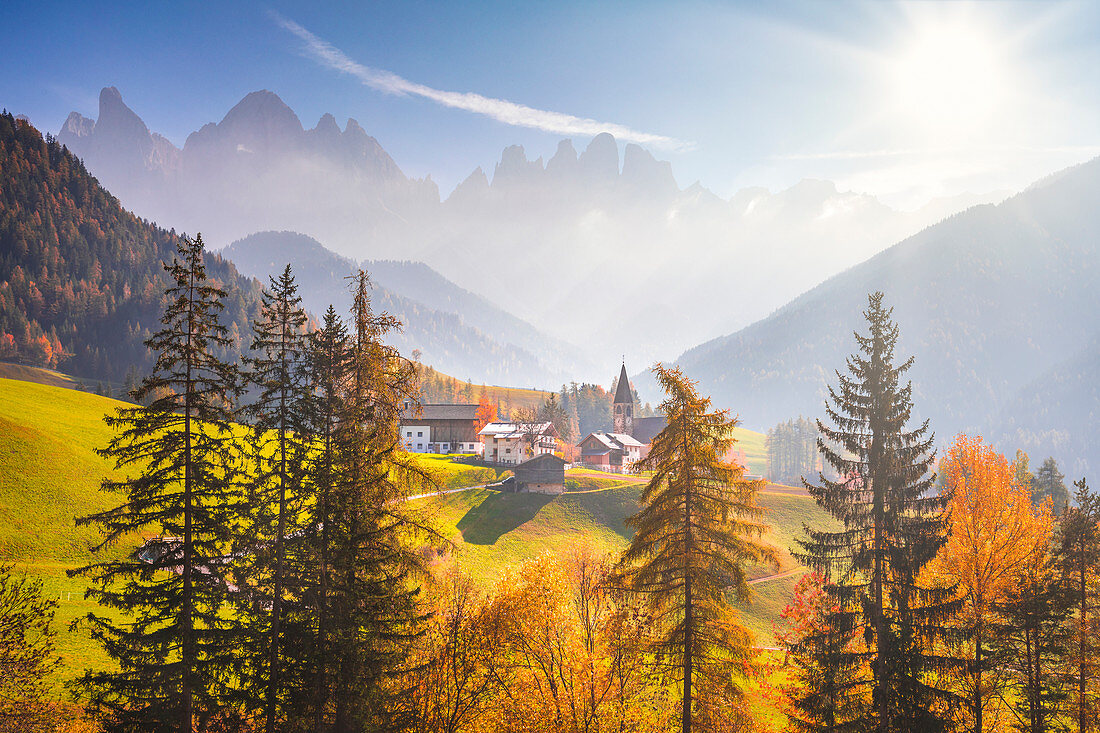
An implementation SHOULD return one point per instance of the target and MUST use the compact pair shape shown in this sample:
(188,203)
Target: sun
(948,81)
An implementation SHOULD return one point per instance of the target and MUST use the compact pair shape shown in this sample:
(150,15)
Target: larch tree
(875,649)
(994,530)
(169,632)
(273,551)
(698,526)
(375,569)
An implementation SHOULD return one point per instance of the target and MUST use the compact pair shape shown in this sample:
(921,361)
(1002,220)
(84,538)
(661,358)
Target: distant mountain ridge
(587,245)
(999,304)
(454,330)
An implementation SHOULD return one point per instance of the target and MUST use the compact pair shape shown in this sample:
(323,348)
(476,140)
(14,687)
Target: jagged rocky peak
(514,166)
(564,160)
(260,121)
(77,125)
(327,126)
(600,160)
(118,121)
(644,172)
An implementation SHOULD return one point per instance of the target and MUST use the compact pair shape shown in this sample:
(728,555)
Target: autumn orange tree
(994,529)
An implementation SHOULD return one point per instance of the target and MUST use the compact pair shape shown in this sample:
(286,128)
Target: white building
(509,442)
(440,429)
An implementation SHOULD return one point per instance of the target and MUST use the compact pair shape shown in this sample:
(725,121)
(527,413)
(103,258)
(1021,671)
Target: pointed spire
(623,395)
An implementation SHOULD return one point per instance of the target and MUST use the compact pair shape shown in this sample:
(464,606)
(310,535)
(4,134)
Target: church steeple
(623,407)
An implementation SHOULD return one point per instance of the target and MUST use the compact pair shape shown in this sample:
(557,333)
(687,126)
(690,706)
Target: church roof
(623,394)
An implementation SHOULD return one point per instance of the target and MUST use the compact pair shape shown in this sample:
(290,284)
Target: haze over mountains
(584,246)
(999,304)
(454,330)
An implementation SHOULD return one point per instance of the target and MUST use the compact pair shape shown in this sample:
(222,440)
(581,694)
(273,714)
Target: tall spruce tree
(328,365)
(375,571)
(273,555)
(170,637)
(1078,548)
(697,528)
(893,526)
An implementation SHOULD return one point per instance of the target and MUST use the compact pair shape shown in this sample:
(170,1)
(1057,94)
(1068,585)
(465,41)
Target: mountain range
(999,304)
(587,246)
(452,329)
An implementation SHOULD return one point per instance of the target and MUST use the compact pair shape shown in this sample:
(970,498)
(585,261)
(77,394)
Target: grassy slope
(493,531)
(49,474)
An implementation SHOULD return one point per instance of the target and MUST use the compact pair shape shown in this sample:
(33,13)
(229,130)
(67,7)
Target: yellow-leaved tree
(993,530)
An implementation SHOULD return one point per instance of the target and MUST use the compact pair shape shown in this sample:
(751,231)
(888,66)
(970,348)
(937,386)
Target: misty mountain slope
(445,338)
(417,281)
(1058,415)
(595,242)
(989,301)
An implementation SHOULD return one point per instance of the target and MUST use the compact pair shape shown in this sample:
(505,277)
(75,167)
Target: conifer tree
(273,550)
(1050,482)
(327,365)
(1031,642)
(373,600)
(169,634)
(886,620)
(1078,547)
(696,529)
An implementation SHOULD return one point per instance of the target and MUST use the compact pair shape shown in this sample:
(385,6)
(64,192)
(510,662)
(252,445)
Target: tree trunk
(187,651)
(978,680)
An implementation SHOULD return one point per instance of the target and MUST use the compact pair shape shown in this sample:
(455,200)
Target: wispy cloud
(510,113)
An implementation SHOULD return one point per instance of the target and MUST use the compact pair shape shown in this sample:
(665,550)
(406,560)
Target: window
(507,450)
(408,433)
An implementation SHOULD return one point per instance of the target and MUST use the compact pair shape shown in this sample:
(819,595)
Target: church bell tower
(623,407)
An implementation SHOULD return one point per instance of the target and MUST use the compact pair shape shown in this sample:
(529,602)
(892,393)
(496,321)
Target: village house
(543,474)
(450,428)
(510,442)
(615,452)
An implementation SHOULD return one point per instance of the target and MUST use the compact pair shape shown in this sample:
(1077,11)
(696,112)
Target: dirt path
(777,576)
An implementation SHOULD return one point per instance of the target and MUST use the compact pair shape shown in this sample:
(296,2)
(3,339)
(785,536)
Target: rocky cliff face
(602,242)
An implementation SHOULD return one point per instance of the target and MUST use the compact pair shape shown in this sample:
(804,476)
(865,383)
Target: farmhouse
(444,428)
(509,442)
(616,452)
(544,474)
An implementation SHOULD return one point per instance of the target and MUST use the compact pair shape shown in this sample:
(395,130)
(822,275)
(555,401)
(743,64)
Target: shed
(544,474)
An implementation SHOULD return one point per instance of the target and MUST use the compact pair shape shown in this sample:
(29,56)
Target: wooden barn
(544,474)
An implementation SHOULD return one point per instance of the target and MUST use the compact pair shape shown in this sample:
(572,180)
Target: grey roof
(556,461)
(611,441)
(440,412)
(518,430)
(623,395)
(646,428)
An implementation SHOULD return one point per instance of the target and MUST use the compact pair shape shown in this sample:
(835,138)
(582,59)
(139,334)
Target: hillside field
(50,474)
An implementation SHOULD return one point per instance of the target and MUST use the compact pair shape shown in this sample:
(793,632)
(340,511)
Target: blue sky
(903,101)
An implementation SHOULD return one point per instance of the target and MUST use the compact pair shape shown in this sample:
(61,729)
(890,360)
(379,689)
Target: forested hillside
(81,279)
(998,304)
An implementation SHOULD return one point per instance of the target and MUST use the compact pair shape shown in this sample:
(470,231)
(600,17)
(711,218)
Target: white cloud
(510,113)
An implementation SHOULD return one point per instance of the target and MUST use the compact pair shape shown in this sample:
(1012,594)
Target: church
(630,436)
(642,429)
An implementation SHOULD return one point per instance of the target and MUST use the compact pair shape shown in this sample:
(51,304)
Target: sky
(906,102)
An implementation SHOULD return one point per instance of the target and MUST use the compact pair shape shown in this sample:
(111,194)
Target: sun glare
(948,81)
